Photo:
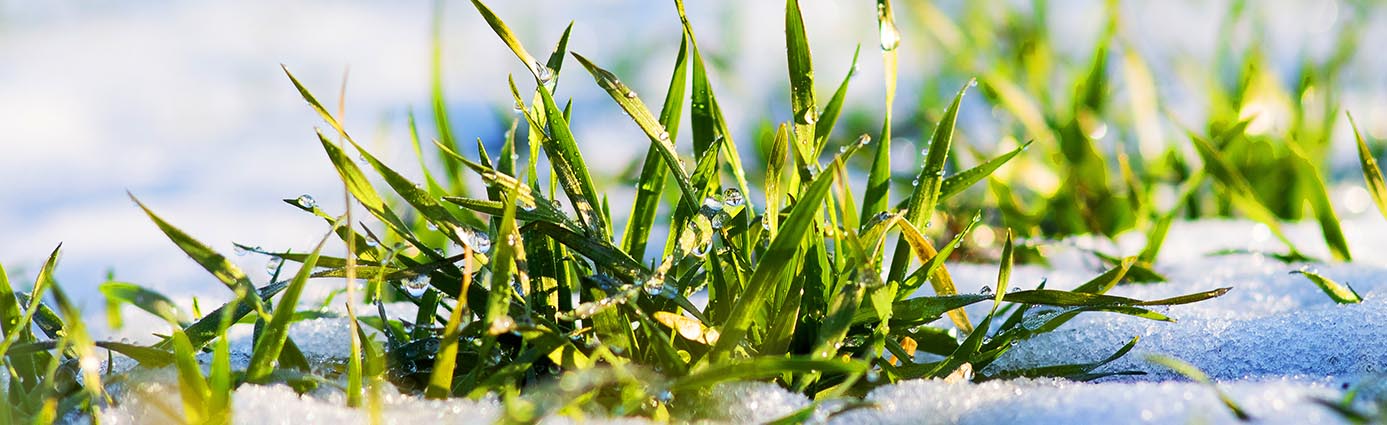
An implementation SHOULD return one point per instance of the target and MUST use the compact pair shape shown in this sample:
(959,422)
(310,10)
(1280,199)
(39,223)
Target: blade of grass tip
(1194,374)
(772,265)
(1318,197)
(210,260)
(16,329)
(962,357)
(963,180)
(143,298)
(1339,293)
(653,171)
(542,73)
(920,207)
(660,138)
(1372,174)
(801,68)
(271,343)
(775,174)
(702,123)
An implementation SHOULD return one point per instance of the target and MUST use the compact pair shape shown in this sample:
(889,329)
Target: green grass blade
(1339,293)
(143,298)
(801,69)
(920,207)
(1372,173)
(660,138)
(772,265)
(272,340)
(1239,190)
(965,179)
(1318,198)
(1192,372)
(568,163)
(210,260)
(542,73)
(438,101)
(934,270)
(651,184)
(192,386)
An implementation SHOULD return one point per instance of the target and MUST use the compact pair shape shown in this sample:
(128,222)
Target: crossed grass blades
(545,305)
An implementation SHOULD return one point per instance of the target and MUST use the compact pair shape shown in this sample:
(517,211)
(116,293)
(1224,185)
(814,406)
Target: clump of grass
(546,305)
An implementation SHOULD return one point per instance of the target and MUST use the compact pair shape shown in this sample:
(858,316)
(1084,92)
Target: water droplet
(973,82)
(240,251)
(664,136)
(558,205)
(719,218)
(843,149)
(852,73)
(501,324)
(702,250)
(890,36)
(273,266)
(511,239)
(518,107)
(630,94)
(431,226)
(732,197)
(653,287)
(479,241)
(416,286)
(545,73)
(664,396)
(808,116)
(915,182)
(986,290)
(711,205)
(306,201)
(873,375)
(924,152)
(863,140)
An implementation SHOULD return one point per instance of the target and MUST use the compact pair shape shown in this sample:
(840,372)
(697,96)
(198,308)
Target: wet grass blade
(1192,372)
(541,71)
(1318,197)
(963,180)
(934,270)
(772,268)
(1239,190)
(272,339)
(877,196)
(661,139)
(1339,293)
(651,183)
(920,207)
(210,260)
(143,298)
(801,69)
(1372,173)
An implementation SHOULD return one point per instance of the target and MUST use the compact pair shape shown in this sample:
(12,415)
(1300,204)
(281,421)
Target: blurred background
(184,104)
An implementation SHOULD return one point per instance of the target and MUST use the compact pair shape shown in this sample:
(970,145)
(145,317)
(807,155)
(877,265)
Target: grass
(546,305)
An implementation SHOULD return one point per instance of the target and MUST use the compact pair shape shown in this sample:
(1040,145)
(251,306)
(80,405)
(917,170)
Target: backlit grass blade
(541,71)
(934,270)
(661,139)
(192,386)
(1339,293)
(568,163)
(1318,197)
(1240,192)
(16,325)
(1372,174)
(965,179)
(143,298)
(420,199)
(775,174)
(772,265)
(651,184)
(272,339)
(801,68)
(920,207)
(210,260)
(1192,372)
